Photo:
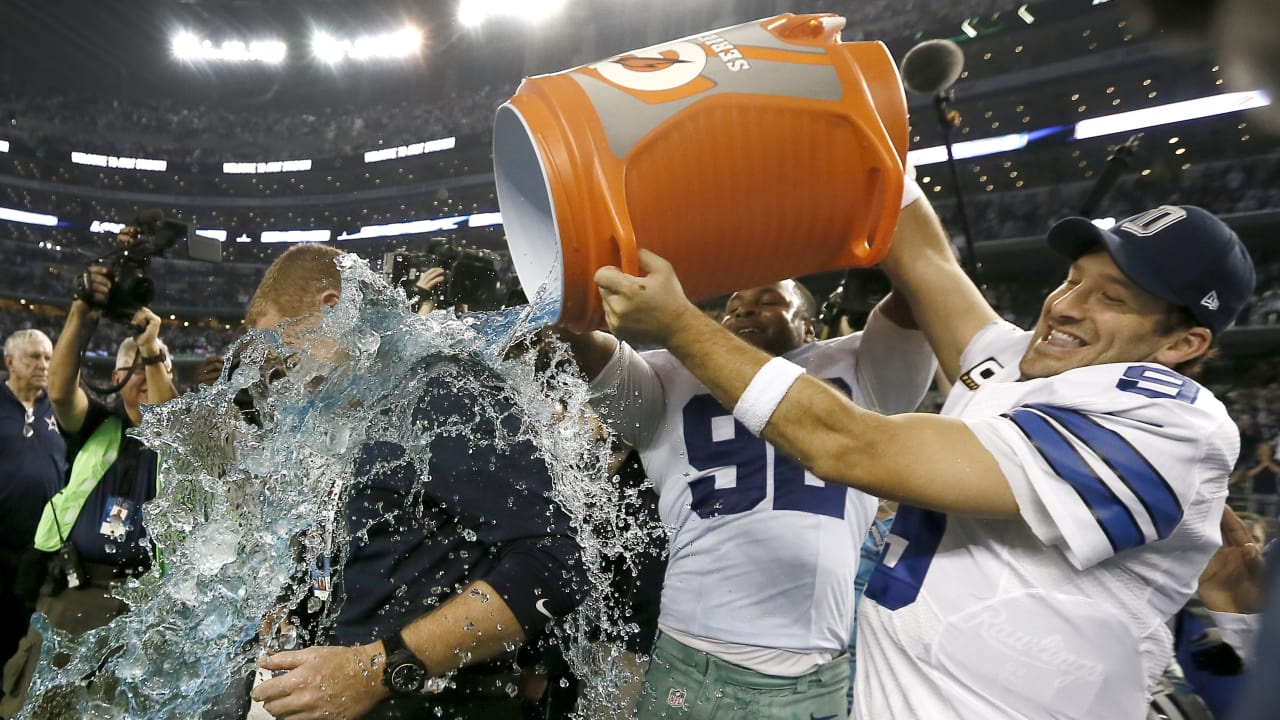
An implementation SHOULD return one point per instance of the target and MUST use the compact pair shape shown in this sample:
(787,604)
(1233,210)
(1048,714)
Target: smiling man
(1065,502)
(758,594)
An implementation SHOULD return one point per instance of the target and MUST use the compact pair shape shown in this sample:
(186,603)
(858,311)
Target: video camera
(150,235)
(472,275)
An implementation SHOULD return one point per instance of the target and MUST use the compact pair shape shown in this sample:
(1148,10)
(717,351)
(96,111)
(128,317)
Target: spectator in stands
(1262,480)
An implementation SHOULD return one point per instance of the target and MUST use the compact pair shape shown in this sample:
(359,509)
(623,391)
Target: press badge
(118,518)
(321,578)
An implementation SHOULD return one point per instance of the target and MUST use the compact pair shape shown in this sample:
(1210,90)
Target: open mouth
(1064,340)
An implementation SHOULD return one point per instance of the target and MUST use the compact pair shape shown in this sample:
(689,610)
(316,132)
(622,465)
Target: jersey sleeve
(1099,466)
(895,366)
(628,395)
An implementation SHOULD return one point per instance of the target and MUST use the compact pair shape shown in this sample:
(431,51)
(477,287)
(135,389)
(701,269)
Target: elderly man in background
(35,461)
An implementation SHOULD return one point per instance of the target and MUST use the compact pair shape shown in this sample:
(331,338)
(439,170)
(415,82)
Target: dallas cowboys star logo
(53,423)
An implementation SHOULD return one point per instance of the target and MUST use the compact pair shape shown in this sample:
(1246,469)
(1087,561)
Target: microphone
(932,67)
(1116,165)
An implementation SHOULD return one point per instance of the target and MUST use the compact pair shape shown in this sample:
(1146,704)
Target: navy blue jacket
(479,510)
(35,468)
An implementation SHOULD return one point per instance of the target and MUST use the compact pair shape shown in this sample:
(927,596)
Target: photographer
(427,282)
(448,274)
(92,530)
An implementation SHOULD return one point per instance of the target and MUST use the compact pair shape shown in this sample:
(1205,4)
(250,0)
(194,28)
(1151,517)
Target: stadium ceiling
(121,48)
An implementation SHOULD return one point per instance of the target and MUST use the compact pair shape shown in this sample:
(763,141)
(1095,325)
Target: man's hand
(1235,578)
(95,285)
(427,281)
(335,683)
(148,337)
(210,370)
(650,308)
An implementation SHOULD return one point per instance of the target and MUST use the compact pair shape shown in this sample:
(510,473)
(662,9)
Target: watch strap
(398,655)
(154,359)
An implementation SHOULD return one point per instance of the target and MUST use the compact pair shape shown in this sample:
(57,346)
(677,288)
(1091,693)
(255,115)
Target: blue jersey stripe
(1132,467)
(1111,514)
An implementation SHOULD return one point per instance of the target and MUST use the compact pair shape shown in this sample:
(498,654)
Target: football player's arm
(591,350)
(625,391)
(943,299)
(895,363)
(815,424)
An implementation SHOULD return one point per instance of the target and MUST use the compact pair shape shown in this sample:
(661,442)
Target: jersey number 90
(720,446)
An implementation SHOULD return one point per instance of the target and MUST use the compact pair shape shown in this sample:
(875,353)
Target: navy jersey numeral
(1158,382)
(737,467)
(906,557)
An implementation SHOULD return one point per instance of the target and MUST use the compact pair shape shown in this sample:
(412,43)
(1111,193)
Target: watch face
(407,678)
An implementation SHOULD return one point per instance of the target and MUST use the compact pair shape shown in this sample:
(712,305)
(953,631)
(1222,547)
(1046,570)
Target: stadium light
(212,234)
(189,47)
(28,218)
(104,226)
(969,149)
(124,163)
(473,13)
(262,168)
(484,219)
(422,227)
(402,43)
(4,146)
(1171,113)
(404,151)
(294,236)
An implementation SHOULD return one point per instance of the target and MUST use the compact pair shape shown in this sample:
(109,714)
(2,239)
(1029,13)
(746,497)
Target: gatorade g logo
(655,69)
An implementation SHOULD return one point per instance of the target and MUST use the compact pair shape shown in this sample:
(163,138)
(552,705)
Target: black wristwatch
(404,673)
(154,359)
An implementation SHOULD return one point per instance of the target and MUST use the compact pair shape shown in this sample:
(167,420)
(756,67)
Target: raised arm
(160,387)
(591,350)
(824,431)
(946,304)
(70,403)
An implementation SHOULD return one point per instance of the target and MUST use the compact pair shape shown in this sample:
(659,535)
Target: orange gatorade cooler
(744,156)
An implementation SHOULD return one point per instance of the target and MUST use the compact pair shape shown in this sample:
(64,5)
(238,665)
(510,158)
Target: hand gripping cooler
(744,156)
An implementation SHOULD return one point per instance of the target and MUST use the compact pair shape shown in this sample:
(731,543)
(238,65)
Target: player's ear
(1185,345)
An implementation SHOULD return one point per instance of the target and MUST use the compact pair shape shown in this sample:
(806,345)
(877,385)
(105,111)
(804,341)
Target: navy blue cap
(1180,253)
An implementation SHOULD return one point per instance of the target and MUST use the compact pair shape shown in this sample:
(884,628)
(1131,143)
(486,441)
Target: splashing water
(237,521)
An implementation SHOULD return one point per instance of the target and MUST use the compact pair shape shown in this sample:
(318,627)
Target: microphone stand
(948,118)
(1117,163)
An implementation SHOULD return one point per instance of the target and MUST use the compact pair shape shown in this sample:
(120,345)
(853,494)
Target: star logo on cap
(1211,300)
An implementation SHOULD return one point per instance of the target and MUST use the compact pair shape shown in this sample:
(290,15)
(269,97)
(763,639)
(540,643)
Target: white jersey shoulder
(1101,458)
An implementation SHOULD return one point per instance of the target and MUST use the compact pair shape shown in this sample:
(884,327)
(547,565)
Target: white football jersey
(1120,473)
(763,552)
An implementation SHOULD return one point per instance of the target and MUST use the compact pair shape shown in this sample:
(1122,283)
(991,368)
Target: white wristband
(911,191)
(765,391)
